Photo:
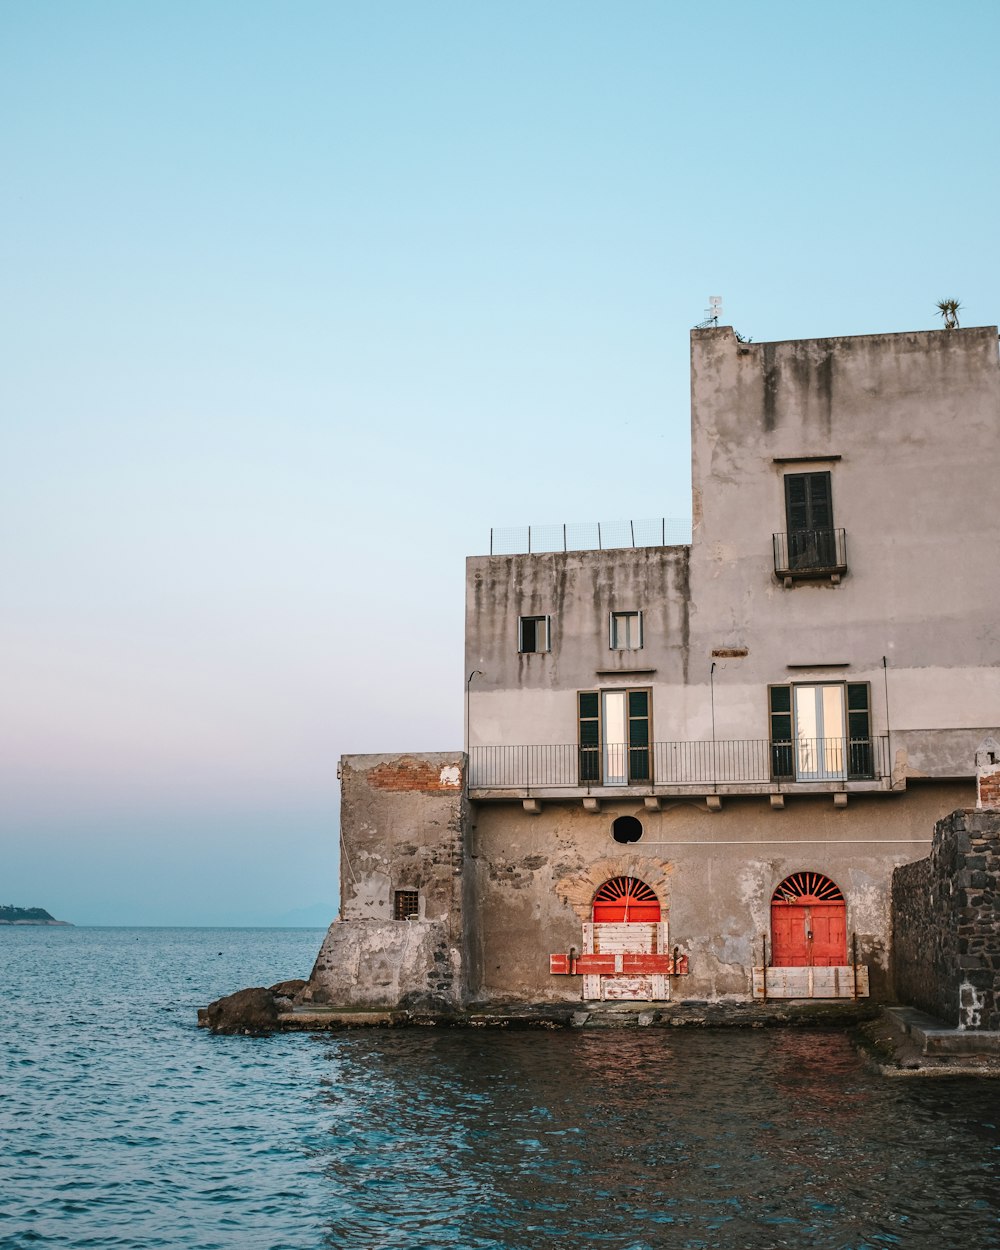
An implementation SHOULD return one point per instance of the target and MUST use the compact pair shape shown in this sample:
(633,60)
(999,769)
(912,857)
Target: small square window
(406,905)
(533,634)
(626,631)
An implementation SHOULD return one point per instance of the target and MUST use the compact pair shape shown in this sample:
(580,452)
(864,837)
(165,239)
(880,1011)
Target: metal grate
(406,905)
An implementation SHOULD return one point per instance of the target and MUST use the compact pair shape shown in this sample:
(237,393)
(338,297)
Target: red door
(626,900)
(808,923)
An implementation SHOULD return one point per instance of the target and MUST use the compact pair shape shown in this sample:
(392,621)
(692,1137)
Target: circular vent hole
(626,829)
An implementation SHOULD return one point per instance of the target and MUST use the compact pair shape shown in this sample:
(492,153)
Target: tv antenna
(714,312)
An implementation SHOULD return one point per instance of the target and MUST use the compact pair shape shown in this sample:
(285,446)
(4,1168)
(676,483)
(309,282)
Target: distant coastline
(29,915)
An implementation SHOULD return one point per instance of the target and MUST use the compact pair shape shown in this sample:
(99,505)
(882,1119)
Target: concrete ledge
(589,1015)
(937,1038)
(904,1042)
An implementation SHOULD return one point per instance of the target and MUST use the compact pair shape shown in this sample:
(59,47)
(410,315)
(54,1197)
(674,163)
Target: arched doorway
(808,923)
(626,900)
(629,934)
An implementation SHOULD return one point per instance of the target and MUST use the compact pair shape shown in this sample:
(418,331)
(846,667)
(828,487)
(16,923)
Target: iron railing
(727,761)
(589,536)
(810,553)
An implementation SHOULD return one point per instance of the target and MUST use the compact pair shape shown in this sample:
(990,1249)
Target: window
(406,905)
(614,737)
(821,732)
(809,516)
(533,634)
(626,631)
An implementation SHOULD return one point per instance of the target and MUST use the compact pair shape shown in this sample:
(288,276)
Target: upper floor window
(809,547)
(626,631)
(809,518)
(534,634)
(821,732)
(614,737)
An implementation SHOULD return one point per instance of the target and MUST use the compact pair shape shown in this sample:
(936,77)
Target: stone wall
(402,829)
(946,923)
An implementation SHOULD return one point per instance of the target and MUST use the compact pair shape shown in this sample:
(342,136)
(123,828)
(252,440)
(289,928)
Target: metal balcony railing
(810,553)
(728,761)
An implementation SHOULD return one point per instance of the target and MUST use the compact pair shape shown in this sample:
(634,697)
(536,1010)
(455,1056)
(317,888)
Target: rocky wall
(946,923)
(402,837)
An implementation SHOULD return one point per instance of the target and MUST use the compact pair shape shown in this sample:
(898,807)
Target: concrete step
(934,1037)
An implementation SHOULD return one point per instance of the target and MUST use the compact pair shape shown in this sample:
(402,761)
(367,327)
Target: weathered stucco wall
(535,694)
(946,922)
(403,823)
(907,425)
(714,871)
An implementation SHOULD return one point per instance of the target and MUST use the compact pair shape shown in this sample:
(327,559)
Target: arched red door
(808,923)
(626,900)
(628,942)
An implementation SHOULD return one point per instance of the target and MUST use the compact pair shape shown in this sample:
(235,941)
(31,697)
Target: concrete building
(692,769)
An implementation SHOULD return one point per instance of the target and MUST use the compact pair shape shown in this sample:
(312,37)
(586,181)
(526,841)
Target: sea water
(124,1125)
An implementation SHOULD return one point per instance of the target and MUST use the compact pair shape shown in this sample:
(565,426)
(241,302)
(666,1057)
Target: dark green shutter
(808,502)
(860,757)
(638,735)
(780,698)
(589,707)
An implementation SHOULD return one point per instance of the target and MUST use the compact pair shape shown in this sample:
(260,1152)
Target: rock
(251,1011)
(288,989)
(288,993)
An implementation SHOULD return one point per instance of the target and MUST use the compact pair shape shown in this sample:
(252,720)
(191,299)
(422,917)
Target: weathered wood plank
(837,982)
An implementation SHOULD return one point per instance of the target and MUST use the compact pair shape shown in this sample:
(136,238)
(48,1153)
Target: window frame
(406,902)
(858,752)
(592,747)
(535,619)
(812,543)
(634,614)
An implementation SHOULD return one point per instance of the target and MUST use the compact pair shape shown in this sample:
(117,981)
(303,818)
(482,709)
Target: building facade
(691,769)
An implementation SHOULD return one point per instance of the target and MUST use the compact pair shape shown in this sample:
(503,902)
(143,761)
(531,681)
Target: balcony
(733,765)
(810,553)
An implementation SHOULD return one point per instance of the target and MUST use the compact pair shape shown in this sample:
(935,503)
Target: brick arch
(578,889)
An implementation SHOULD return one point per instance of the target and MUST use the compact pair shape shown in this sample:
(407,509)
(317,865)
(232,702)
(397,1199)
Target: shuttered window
(796,753)
(808,502)
(614,738)
(860,760)
(589,704)
(782,761)
(638,735)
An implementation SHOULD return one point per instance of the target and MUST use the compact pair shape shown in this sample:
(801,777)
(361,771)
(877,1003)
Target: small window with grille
(406,905)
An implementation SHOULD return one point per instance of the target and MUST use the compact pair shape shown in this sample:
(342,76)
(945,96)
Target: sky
(301,299)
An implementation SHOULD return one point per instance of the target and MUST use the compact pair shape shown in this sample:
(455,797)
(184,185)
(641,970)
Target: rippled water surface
(126,1126)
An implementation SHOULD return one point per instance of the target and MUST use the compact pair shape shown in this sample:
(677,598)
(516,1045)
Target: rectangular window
(626,631)
(533,634)
(809,517)
(614,737)
(821,732)
(406,905)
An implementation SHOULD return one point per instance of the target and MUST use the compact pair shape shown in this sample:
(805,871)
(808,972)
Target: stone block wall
(402,829)
(946,923)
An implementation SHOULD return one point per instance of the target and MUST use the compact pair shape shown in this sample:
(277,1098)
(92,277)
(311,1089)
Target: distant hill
(27,915)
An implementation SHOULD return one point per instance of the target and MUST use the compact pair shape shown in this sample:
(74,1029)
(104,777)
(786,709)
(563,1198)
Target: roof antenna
(714,311)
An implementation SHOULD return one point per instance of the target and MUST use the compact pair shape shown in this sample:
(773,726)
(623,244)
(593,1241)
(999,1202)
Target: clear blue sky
(301,298)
